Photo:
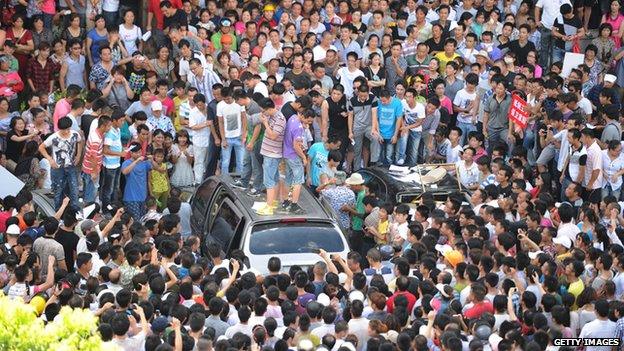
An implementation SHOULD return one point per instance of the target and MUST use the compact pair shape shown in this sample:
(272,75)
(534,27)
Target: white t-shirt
(550,11)
(598,329)
(463,99)
(320,53)
(110,5)
(185,70)
(130,37)
(346,78)
(453,154)
(411,115)
(262,89)
(468,175)
(201,137)
(232,119)
(585,105)
(269,52)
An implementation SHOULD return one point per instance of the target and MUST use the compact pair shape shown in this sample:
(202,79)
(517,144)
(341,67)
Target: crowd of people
(118,116)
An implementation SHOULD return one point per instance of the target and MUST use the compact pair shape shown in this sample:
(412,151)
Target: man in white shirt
(346,75)
(200,127)
(273,49)
(233,130)
(601,327)
(546,11)
(467,169)
(593,169)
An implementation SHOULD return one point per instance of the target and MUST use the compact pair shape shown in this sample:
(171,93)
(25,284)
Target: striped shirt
(92,161)
(204,83)
(270,147)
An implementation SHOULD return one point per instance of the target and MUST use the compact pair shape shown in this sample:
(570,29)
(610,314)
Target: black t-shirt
(521,51)
(433,46)
(566,26)
(14,148)
(69,241)
(337,121)
(85,124)
(179,17)
(506,191)
(288,111)
(380,75)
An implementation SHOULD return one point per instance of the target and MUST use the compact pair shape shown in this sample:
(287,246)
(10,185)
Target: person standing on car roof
(295,156)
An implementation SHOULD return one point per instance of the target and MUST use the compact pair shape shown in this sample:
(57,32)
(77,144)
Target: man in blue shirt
(389,116)
(317,159)
(136,171)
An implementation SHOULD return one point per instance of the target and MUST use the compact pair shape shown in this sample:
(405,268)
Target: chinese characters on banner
(517,112)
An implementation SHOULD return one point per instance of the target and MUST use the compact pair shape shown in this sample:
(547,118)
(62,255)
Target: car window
(218,199)
(202,198)
(288,238)
(375,185)
(225,223)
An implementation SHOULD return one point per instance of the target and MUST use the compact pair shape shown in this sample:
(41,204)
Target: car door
(226,225)
(376,185)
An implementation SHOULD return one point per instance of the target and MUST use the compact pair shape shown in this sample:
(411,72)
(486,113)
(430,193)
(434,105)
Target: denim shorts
(270,171)
(294,171)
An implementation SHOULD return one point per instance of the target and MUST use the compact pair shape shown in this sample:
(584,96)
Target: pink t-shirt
(446,102)
(61,109)
(615,23)
(48,7)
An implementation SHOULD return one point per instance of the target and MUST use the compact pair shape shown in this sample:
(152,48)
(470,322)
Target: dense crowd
(120,116)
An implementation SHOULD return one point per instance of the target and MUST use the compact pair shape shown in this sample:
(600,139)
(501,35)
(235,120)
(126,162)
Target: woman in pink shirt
(616,20)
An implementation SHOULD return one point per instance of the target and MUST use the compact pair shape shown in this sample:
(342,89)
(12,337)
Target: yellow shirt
(444,60)
(383,227)
(576,289)
(176,120)
(159,181)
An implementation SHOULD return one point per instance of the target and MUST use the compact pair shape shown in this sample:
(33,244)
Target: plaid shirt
(619,332)
(41,76)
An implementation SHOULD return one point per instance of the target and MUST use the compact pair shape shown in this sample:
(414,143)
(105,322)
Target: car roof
(313,210)
(448,183)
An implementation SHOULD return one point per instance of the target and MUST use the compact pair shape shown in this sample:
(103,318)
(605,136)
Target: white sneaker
(400,162)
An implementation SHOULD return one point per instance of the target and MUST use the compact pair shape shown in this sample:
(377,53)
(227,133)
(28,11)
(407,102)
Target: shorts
(294,171)
(270,171)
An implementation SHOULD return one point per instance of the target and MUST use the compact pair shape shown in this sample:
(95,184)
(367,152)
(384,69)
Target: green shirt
(357,221)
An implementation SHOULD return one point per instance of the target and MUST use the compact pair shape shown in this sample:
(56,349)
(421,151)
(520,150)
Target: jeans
(226,154)
(546,43)
(387,152)
(295,171)
(608,190)
(413,147)
(65,181)
(252,166)
(466,128)
(199,166)
(110,186)
(110,18)
(557,54)
(214,155)
(270,175)
(48,20)
(358,138)
(89,188)
(496,137)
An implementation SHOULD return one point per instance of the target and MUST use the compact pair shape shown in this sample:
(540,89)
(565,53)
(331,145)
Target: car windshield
(289,238)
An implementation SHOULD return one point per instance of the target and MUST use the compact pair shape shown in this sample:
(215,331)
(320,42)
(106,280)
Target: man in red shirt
(479,305)
(92,162)
(154,11)
(402,284)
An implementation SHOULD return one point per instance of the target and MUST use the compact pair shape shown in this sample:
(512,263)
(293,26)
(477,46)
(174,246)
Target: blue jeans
(413,147)
(407,147)
(226,154)
(110,186)
(295,171)
(496,137)
(466,128)
(110,18)
(65,182)
(252,166)
(48,20)
(89,188)
(387,152)
(557,54)
(270,172)
(546,42)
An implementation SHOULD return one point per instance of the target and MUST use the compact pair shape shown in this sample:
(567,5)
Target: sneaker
(254,192)
(400,162)
(265,210)
(286,204)
(295,209)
